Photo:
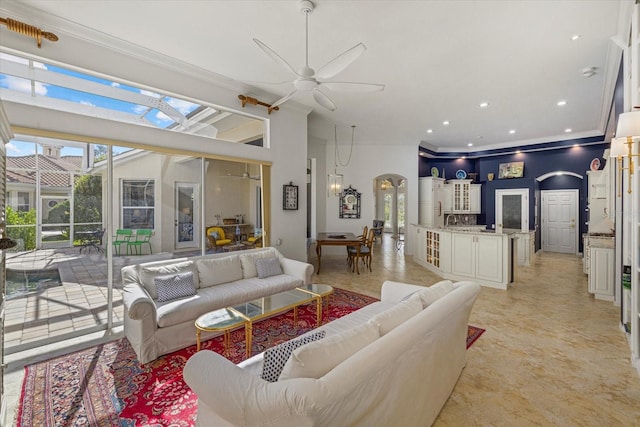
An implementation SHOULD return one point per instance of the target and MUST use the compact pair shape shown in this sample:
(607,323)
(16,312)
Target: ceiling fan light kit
(308,80)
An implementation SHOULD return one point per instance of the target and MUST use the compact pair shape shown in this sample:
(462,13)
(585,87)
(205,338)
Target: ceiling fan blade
(284,99)
(353,87)
(323,100)
(254,82)
(340,62)
(273,55)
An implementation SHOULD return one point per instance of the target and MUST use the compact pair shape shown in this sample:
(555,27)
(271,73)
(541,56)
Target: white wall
(368,162)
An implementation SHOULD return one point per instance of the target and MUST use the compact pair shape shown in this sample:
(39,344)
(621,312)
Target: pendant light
(334,180)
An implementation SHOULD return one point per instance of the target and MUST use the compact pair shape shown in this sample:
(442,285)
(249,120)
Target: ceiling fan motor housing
(306,6)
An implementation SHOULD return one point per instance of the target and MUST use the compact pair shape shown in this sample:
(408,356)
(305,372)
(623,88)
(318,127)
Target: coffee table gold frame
(227,319)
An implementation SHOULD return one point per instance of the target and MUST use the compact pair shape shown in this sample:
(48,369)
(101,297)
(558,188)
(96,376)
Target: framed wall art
(290,197)
(511,170)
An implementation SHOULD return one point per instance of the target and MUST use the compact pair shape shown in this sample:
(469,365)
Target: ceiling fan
(245,174)
(309,80)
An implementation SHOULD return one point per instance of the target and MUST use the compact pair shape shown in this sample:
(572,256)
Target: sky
(96,103)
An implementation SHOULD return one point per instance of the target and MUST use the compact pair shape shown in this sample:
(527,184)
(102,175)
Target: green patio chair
(123,236)
(142,237)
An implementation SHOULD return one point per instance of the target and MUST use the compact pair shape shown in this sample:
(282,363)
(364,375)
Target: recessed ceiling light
(575,37)
(484,104)
(575,145)
(567,130)
(470,145)
(429,130)
(561,103)
(446,122)
(518,151)
(463,157)
(512,131)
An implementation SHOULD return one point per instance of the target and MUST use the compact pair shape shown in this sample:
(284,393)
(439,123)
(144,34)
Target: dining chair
(366,251)
(378,228)
(123,236)
(362,238)
(142,237)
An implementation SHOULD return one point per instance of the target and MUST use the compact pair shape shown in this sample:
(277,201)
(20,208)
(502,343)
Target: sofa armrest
(394,291)
(229,395)
(137,302)
(298,269)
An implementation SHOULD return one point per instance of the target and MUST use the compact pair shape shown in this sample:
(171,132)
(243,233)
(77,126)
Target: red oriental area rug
(106,386)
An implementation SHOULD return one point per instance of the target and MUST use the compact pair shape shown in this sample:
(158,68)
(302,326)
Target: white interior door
(187,215)
(512,210)
(559,221)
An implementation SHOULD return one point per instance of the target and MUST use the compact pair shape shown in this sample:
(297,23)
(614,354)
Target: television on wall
(511,170)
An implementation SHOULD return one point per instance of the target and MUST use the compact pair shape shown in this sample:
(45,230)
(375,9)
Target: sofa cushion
(315,359)
(434,292)
(399,313)
(248,261)
(276,357)
(174,286)
(214,271)
(267,267)
(148,274)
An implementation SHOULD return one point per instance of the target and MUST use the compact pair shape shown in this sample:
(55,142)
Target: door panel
(559,221)
(187,215)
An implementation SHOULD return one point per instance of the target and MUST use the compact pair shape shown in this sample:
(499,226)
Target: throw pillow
(315,359)
(215,235)
(175,286)
(216,271)
(148,273)
(396,315)
(248,260)
(435,292)
(276,357)
(267,267)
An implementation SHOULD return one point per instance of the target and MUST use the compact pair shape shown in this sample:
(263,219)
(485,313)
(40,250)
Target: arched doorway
(390,196)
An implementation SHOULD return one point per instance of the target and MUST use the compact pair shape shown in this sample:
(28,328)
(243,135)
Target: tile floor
(551,355)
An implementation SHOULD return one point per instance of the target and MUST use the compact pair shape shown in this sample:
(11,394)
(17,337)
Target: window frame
(148,220)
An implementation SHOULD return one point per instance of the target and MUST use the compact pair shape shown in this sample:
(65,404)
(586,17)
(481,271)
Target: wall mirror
(350,203)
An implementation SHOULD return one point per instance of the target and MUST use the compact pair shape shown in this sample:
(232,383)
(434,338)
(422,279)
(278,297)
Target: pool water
(22,282)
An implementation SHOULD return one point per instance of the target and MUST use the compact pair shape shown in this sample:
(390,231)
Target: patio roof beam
(74,107)
(43,75)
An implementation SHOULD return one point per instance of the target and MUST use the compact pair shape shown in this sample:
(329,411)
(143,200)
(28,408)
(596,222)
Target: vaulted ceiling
(438,60)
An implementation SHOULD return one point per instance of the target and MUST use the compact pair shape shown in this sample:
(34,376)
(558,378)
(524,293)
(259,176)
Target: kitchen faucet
(446,222)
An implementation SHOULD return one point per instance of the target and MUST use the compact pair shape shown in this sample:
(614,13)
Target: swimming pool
(22,282)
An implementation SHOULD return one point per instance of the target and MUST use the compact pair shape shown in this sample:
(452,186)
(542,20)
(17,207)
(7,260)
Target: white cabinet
(431,201)
(601,273)
(447,198)
(463,196)
(420,248)
(477,256)
(598,201)
(526,247)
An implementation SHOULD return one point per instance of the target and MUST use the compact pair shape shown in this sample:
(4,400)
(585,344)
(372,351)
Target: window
(23,201)
(138,204)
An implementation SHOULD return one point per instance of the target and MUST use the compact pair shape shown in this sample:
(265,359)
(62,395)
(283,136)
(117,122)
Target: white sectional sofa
(391,363)
(155,325)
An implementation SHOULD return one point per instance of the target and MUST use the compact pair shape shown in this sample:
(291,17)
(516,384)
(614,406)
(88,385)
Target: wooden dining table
(337,239)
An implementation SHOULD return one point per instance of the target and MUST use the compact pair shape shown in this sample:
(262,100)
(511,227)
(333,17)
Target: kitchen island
(459,253)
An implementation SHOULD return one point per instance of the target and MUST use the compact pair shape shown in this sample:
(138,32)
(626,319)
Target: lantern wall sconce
(627,134)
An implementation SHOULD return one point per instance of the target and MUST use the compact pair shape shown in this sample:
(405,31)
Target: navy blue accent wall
(570,159)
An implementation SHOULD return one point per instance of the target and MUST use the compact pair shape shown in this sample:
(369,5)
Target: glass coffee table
(227,319)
